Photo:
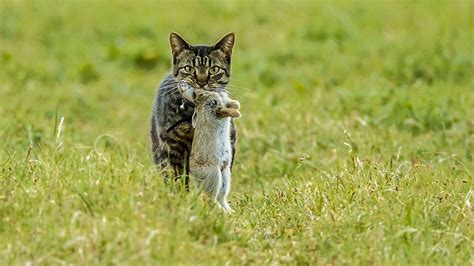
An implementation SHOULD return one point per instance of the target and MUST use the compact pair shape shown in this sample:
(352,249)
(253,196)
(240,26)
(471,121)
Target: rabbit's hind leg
(208,178)
(225,189)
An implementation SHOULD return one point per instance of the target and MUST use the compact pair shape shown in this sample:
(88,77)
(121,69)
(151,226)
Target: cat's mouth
(207,87)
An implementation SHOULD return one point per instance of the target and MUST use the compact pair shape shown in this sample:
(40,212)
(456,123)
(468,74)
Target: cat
(204,67)
(211,152)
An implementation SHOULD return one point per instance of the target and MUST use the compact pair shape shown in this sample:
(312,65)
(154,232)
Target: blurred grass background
(355,144)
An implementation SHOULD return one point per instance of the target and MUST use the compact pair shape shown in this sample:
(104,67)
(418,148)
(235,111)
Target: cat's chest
(185,131)
(179,118)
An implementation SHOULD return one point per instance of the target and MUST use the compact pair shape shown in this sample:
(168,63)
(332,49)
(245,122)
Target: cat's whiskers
(190,82)
(239,95)
(238,87)
(233,93)
(229,92)
(171,91)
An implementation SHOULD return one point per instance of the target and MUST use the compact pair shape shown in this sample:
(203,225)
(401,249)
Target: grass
(355,145)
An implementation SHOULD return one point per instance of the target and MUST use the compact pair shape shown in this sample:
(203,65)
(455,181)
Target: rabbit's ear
(194,119)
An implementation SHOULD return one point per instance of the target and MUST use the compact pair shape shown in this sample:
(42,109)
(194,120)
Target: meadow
(355,146)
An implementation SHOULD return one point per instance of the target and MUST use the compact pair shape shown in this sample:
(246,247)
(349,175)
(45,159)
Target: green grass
(355,145)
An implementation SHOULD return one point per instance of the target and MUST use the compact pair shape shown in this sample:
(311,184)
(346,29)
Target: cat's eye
(214,70)
(188,69)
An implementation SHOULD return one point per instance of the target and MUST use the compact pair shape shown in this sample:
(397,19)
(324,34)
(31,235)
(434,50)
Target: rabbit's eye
(214,70)
(212,103)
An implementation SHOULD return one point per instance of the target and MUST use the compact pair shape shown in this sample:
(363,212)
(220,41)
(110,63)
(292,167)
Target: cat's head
(206,67)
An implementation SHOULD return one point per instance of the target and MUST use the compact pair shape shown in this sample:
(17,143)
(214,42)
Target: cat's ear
(177,44)
(226,44)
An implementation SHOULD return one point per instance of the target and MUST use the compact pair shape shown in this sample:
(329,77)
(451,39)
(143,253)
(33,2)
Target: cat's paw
(233,104)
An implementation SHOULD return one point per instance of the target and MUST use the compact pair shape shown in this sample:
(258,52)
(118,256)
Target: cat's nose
(201,80)
(202,84)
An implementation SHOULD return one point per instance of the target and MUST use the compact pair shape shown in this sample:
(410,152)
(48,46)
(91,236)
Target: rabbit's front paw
(228,112)
(233,104)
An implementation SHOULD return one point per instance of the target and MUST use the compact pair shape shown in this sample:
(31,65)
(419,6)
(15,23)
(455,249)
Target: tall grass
(355,145)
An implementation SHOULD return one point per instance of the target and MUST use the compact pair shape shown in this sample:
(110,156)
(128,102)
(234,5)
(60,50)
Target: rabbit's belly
(224,151)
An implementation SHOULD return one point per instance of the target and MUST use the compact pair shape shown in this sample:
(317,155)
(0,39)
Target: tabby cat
(204,67)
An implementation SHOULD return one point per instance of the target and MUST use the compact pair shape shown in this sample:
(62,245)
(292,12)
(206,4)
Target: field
(355,146)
